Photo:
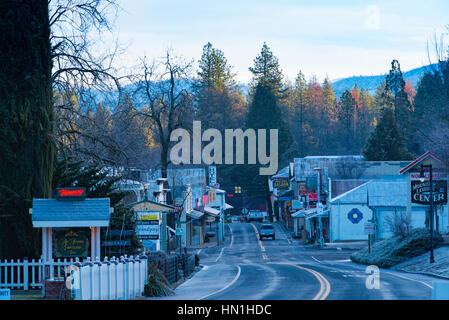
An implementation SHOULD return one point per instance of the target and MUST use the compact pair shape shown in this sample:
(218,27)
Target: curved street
(245,268)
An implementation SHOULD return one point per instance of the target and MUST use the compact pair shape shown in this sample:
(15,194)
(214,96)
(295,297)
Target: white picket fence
(114,279)
(29,274)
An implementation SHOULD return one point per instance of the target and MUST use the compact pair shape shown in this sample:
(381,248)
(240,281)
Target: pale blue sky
(334,38)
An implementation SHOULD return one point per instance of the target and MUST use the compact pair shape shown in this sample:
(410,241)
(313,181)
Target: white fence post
(25,274)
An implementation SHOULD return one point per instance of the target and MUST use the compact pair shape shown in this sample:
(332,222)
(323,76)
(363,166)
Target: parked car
(236,219)
(267,231)
(255,215)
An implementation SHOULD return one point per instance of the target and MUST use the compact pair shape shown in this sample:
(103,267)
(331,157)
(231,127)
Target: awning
(298,214)
(228,206)
(314,213)
(212,211)
(195,214)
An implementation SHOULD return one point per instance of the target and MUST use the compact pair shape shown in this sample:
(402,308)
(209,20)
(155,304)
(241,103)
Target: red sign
(70,193)
(313,197)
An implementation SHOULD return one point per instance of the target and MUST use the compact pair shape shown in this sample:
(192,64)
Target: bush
(390,252)
(157,285)
(197,260)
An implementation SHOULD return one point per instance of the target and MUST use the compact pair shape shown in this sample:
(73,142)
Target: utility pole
(422,178)
(319,207)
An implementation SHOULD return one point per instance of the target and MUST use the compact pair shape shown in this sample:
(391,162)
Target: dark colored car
(267,231)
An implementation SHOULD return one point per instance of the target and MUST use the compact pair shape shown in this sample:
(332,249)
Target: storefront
(151,224)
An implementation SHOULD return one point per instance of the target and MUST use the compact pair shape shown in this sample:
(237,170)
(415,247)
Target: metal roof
(83,213)
(195,214)
(212,211)
(385,192)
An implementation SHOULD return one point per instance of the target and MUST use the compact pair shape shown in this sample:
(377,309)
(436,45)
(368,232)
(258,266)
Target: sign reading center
(421,192)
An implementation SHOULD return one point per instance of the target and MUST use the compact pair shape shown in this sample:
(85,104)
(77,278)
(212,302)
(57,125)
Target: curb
(424,274)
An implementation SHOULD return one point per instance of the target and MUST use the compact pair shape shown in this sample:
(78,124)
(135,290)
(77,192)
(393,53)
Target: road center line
(325,286)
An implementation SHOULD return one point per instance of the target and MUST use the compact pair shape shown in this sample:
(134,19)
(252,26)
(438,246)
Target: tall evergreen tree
(26,121)
(347,119)
(267,71)
(386,143)
(219,103)
(395,85)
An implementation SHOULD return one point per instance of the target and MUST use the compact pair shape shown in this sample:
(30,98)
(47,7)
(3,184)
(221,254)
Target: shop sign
(421,192)
(71,243)
(281,183)
(70,193)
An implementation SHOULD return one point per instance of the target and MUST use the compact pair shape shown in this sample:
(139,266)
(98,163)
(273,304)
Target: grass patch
(390,252)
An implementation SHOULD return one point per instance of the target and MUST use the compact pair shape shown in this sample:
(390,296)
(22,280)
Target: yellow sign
(149,217)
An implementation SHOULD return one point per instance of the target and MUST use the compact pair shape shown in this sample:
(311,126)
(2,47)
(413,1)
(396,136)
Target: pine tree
(395,86)
(26,122)
(347,120)
(386,143)
(220,104)
(267,70)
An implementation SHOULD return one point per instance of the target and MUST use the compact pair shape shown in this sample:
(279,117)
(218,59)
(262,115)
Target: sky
(333,39)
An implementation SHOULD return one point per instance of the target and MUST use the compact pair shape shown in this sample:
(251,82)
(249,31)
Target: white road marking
(219,256)
(230,245)
(225,287)
(407,278)
(316,259)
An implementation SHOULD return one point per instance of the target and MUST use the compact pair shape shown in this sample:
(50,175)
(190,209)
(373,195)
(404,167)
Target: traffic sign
(244,211)
(369,228)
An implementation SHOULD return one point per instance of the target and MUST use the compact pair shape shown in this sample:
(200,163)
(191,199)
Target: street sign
(116,243)
(125,233)
(369,228)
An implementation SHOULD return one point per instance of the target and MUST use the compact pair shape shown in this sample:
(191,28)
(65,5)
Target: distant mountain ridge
(135,91)
(370,83)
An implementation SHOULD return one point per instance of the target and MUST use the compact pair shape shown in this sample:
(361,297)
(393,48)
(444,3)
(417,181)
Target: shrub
(390,252)
(157,285)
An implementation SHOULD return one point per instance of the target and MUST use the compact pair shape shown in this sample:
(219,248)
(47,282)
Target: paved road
(246,268)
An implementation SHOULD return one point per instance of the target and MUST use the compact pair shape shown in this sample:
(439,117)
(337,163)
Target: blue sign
(5,294)
(355,215)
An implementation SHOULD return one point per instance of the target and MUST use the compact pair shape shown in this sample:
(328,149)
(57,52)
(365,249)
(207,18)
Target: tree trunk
(26,121)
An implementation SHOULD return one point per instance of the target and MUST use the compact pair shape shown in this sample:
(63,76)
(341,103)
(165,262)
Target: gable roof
(384,192)
(419,160)
(148,205)
(84,213)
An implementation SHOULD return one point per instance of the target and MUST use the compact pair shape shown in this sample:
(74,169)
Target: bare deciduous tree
(168,101)
(399,223)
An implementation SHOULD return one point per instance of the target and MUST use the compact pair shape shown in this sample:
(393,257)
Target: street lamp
(422,178)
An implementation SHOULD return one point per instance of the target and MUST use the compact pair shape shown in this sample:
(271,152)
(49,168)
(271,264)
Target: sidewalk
(209,280)
(422,265)
(340,245)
